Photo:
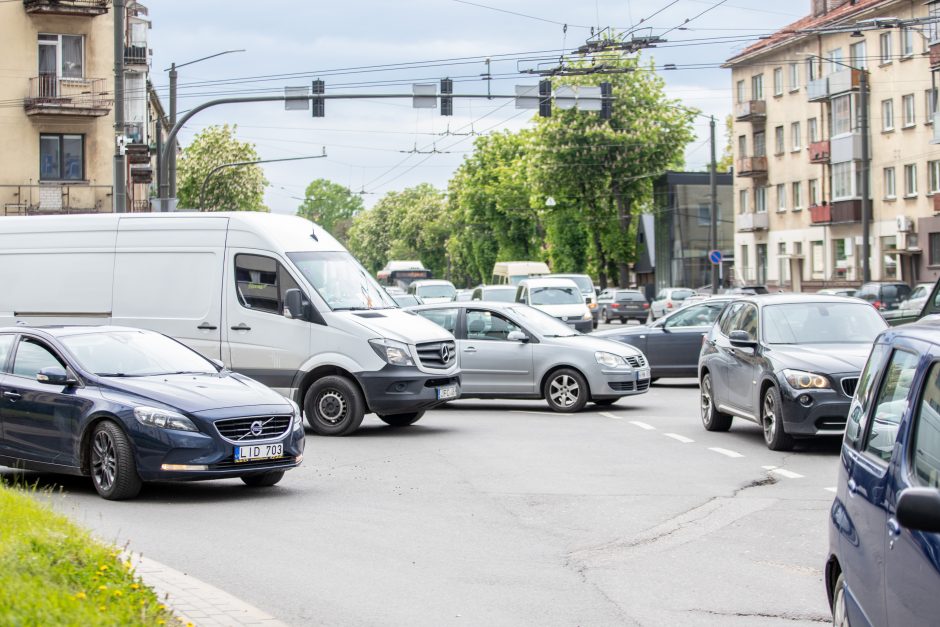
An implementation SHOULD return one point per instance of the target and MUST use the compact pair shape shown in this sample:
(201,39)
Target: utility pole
(119,192)
(171,166)
(713,184)
(866,167)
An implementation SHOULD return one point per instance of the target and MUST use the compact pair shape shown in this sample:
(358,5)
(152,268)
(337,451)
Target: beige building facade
(798,149)
(57,108)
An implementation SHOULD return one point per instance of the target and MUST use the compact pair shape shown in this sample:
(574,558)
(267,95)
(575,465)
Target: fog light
(299,458)
(805,400)
(400,387)
(184,467)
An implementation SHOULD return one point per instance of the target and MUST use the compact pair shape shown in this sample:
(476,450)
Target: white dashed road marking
(642,425)
(680,438)
(607,414)
(783,472)
(833,490)
(725,452)
(526,411)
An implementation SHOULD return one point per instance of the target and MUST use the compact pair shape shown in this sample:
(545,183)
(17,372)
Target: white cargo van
(274,297)
(511,272)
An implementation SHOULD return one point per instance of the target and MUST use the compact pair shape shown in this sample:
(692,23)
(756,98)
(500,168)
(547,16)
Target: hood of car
(194,393)
(593,344)
(822,358)
(573,311)
(625,330)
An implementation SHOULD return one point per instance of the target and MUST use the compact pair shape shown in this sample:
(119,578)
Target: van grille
(637,361)
(438,355)
(240,429)
(848,386)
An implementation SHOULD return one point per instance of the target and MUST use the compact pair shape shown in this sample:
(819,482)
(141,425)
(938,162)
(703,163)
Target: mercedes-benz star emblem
(445,353)
(256,427)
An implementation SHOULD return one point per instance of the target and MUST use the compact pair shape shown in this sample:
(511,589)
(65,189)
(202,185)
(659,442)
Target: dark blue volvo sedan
(127,406)
(884,533)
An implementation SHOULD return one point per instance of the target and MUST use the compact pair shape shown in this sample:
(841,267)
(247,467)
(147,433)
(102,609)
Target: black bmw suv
(789,362)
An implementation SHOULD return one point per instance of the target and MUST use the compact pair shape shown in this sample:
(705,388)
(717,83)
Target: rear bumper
(402,390)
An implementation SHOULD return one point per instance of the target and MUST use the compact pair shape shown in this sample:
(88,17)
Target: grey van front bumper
(404,389)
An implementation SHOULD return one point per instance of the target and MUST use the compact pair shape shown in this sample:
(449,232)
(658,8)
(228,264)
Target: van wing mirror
(919,509)
(55,375)
(295,306)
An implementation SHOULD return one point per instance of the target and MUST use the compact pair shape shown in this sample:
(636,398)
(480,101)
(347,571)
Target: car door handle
(241,327)
(470,349)
(205,326)
(13,396)
(853,486)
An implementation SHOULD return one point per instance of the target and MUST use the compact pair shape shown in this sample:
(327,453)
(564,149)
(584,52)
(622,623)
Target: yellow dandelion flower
(103,567)
(118,593)
(80,595)
(135,586)
(102,608)
(102,588)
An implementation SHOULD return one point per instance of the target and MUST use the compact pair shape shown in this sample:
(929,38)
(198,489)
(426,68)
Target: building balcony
(81,97)
(936,203)
(819,152)
(818,90)
(846,147)
(838,212)
(55,198)
(751,167)
(747,222)
(81,8)
(844,81)
(136,56)
(750,111)
(141,173)
(820,214)
(935,54)
(935,117)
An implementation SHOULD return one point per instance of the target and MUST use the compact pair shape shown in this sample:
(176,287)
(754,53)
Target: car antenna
(313,233)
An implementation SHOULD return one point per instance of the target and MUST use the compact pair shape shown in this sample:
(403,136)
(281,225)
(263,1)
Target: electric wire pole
(119,192)
(713,184)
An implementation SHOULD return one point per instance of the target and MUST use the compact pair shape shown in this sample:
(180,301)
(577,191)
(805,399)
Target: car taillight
(878,305)
(614,305)
(646,305)
(669,305)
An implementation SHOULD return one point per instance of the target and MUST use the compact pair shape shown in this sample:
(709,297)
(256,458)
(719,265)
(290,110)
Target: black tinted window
(727,318)
(926,439)
(630,296)
(262,283)
(890,405)
(863,393)
(746,321)
(33,356)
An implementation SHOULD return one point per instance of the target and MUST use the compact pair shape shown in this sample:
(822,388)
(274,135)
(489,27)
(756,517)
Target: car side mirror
(742,339)
(517,336)
(55,375)
(294,305)
(219,363)
(919,509)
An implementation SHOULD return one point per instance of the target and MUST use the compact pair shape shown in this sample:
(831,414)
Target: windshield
(436,291)
(502,295)
(134,354)
(822,323)
(555,296)
(341,281)
(584,283)
(542,323)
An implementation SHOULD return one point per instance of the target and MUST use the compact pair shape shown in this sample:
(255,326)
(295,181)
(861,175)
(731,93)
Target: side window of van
(890,405)
(926,455)
(261,283)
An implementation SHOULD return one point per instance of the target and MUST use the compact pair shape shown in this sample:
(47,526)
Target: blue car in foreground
(127,406)
(884,533)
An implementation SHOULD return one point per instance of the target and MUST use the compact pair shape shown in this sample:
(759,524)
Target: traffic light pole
(713,185)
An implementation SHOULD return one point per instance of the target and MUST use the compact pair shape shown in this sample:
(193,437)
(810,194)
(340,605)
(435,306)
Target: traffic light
(545,98)
(447,98)
(607,101)
(317,101)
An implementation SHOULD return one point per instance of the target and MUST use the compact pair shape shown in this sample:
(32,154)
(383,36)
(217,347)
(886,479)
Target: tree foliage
(238,188)
(332,206)
(726,162)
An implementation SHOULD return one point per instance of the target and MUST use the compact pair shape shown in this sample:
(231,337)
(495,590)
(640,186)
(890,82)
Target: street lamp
(866,159)
(238,164)
(168,182)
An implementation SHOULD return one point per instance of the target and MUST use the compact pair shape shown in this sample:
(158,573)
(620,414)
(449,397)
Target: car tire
(605,402)
(606,316)
(401,420)
(264,480)
(566,391)
(333,406)
(112,465)
(840,617)
(623,321)
(594,323)
(712,419)
(776,438)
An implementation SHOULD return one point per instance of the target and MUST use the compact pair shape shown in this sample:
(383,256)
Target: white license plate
(448,391)
(643,375)
(259,451)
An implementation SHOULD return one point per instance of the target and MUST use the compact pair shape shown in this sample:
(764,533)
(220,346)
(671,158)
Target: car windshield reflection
(542,323)
(822,323)
(135,354)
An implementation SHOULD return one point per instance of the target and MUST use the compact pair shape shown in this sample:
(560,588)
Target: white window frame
(843,181)
(744,200)
(856,59)
(908,111)
(812,130)
(780,145)
(778,81)
(794,77)
(887,115)
(889,180)
(740,91)
(843,121)
(813,192)
(933,177)
(781,197)
(885,52)
(796,137)
(796,192)
(760,199)
(907,43)
(757,87)
(910,180)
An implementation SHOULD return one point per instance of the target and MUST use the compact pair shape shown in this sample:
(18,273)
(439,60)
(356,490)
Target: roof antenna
(313,233)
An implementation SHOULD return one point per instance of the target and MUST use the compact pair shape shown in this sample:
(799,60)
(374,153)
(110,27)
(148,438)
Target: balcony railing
(85,8)
(844,81)
(818,89)
(820,214)
(750,111)
(837,212)
(846,147)
(139,206)
(819,152)
(53,95)
(55,198)
(752,222)
(136,55)
(936,128)
(935,54)
(751,167)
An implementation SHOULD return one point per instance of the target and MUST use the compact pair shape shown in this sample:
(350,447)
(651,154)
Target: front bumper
(825,414)
(404,389)
(616,383)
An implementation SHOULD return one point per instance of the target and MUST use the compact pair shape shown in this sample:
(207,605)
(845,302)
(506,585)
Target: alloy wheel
(769,417)
(103,460)
(706,399)
(565,391)
(840,617)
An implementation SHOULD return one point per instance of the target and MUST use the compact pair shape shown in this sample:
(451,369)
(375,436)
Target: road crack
(794,616)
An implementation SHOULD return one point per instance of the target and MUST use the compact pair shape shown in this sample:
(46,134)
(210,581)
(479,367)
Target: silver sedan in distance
(511,350)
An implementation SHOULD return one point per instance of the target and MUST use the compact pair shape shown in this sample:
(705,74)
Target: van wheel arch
(326,371)
(84,460)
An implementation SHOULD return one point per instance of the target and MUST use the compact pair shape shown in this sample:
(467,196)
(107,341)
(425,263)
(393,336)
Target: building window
(885,51)
(760,199)
(858,55)
(910,180)
(757,87)
(933,28)
(743,201)
(794,76)
(797,195)
(933,177)
(843,179)
(740,91)
(745,271)
(742,146)
(839,257)
(778,81)
(61,56)
(835,58)
(783,262)
(812,129)
(812,70)
(933,240)
(704,214)
(907,106)
(778,141)
(61,157)
(930,101)
(813,192)
(781,197)
(796,136)
(760,145)
(818,259)
(889,256)
(890,183)
(842,110)
(887,115)
(762,263)
(907,43)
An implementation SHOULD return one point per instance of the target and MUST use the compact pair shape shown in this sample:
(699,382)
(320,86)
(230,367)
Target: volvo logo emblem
(256,428)
(445,353)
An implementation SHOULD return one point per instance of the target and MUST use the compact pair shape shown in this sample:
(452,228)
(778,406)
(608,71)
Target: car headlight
(610,360)
(163,418)
(802,380)
(394,353)
(298,416)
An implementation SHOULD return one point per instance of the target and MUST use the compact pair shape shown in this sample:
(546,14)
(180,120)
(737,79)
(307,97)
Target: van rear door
(168,275)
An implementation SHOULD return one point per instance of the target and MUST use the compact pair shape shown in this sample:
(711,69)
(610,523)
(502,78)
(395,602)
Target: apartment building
(798,149)
(57,109)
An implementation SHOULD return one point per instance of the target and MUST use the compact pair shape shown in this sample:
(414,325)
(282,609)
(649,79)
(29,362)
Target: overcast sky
(364,140)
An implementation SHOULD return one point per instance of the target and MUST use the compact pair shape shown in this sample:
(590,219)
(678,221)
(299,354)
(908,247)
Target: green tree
(726,162)
(230,189)
(332,206)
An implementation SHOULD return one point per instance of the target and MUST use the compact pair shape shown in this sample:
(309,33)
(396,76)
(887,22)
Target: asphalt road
(502,513)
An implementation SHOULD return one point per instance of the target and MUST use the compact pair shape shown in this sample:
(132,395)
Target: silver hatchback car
(511,350)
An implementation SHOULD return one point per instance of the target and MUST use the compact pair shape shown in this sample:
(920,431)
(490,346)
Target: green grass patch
(54,573)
